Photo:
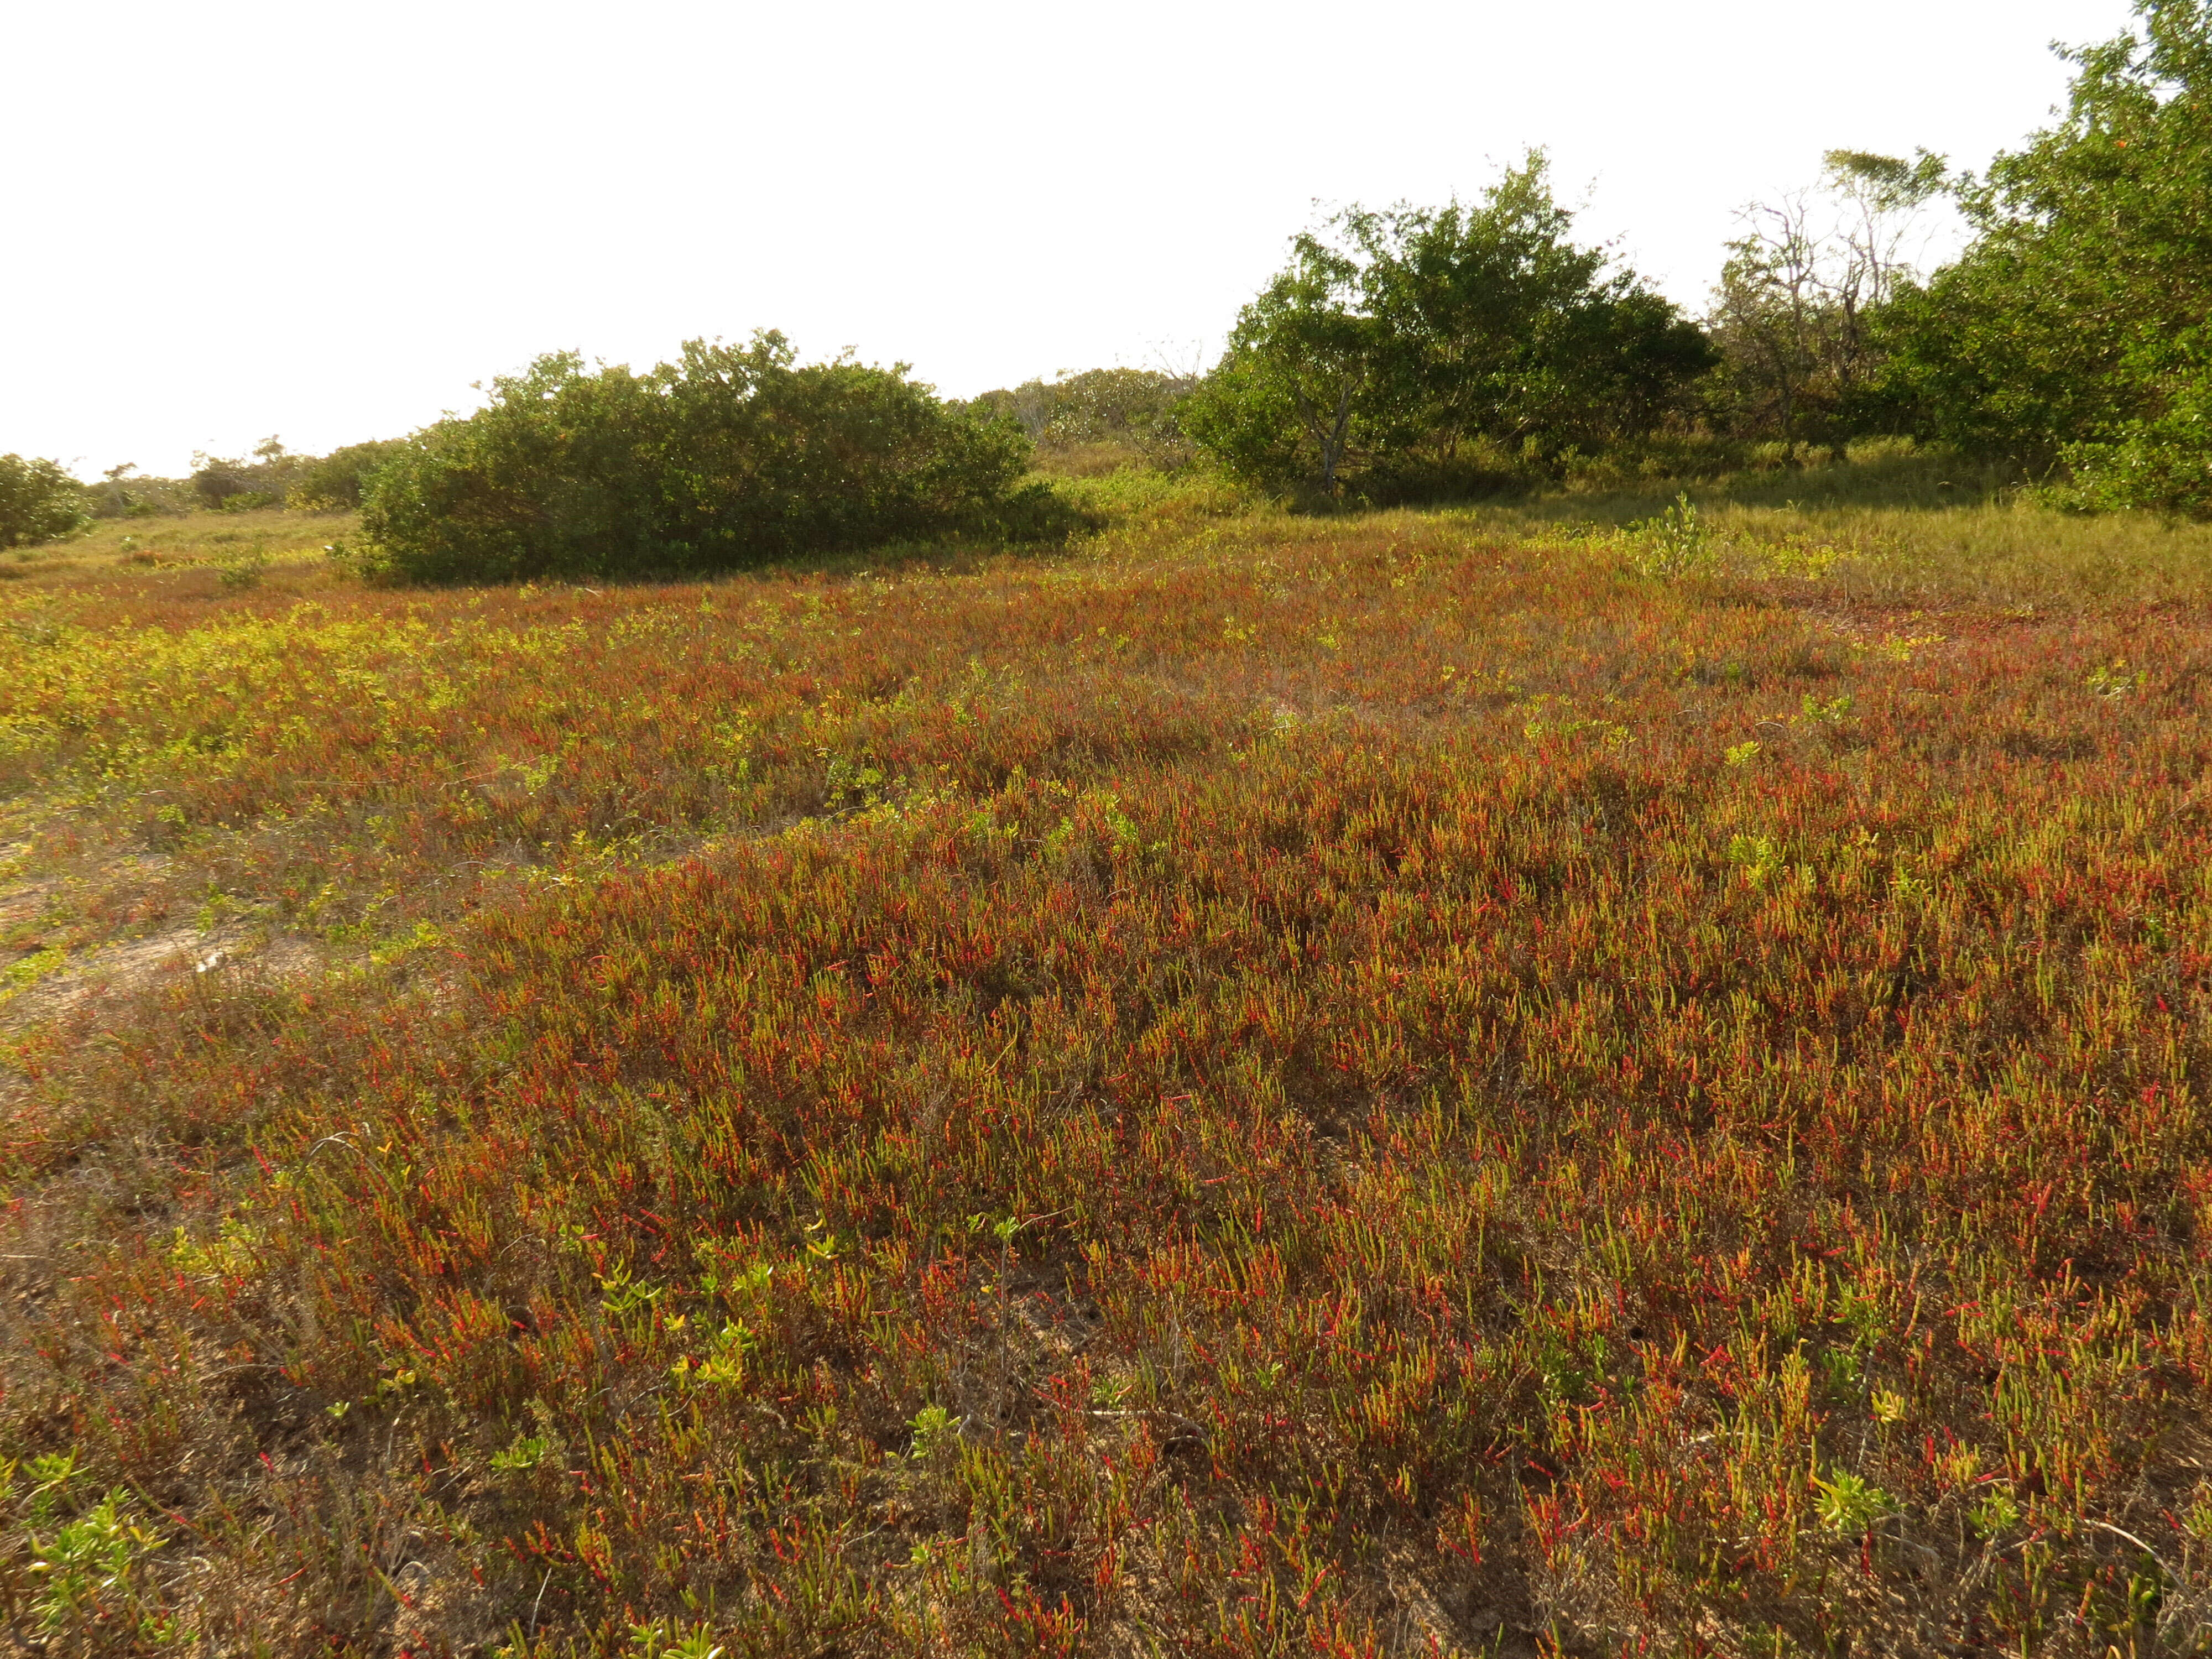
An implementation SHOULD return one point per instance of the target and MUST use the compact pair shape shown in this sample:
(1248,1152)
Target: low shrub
(1675,543)
(734,456)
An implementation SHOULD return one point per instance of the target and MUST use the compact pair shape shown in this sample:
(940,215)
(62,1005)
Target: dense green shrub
(734,456)
(39,501)
(335,483)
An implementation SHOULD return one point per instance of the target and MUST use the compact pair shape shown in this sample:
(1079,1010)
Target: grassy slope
(1270,1086)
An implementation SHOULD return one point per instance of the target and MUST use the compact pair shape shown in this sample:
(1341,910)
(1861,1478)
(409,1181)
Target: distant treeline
(40,501)
(272,476)
(1413,352)
(1110,415)
(1401,354)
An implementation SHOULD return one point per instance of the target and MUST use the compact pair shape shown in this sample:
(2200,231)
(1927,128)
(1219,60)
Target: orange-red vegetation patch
(1342,1090)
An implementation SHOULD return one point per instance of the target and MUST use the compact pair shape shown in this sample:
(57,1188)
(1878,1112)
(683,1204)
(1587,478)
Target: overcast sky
(325,221)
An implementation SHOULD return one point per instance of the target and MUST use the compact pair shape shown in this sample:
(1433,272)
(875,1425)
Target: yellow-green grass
(279,547)
(1908,544)
(1367,1084)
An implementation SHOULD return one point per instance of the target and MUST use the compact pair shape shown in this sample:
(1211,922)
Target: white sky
(220,220)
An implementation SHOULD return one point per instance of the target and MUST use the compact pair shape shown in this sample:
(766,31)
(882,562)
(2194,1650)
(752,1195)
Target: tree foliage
(733,456)
(1305,358)
(1403,335)
(39,501)
(1131,406)
(339,481)
(1794,315)
(237,485)
(2075,327)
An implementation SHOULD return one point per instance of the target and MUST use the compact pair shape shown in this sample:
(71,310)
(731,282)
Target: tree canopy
(2075,327)
(1794,315)
(1402,336)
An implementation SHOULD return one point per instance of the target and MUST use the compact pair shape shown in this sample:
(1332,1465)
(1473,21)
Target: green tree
(1245,415)
(1306,358)
(39,501)
(733,456)
(1098,405)
(1401,335)
(2077,326)
(1501,327)
(118,499)
(1793,315)
(338,481)
(215,480)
